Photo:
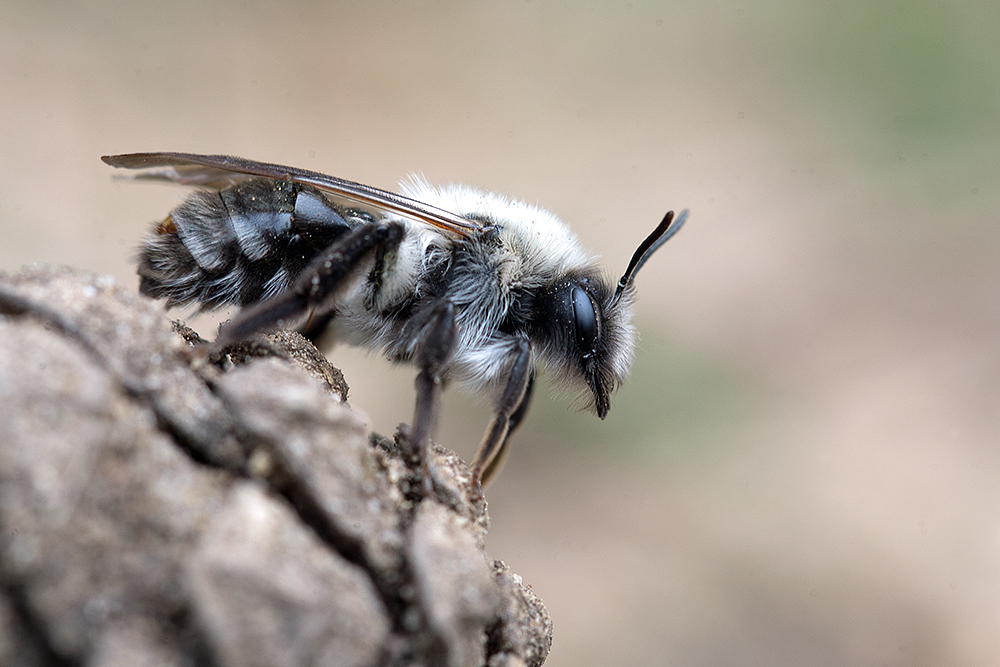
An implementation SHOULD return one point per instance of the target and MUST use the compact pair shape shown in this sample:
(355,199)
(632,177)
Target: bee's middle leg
(315,284)
(436,348)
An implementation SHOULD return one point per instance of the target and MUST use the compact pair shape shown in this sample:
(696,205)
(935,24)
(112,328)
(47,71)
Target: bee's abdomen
(239,245)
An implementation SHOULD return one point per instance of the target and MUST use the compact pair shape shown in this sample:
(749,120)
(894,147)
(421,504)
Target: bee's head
(590,335)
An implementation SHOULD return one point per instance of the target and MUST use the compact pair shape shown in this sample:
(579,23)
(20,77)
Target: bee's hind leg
(510,410)
(433,355)
(314,286)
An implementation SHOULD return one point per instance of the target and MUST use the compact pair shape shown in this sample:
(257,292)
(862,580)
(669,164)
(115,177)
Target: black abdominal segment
(312,290)
(239,245)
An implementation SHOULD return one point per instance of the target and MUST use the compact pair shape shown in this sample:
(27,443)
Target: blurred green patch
(920,72)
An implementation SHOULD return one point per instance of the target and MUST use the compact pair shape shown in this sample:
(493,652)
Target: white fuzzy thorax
(535,248)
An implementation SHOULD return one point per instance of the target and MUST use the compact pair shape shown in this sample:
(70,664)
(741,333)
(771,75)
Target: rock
(163,505)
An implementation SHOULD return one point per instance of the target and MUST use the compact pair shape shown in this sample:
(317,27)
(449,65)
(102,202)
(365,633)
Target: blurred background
(804,467)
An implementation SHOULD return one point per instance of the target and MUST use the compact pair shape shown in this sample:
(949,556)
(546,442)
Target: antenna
(663,233)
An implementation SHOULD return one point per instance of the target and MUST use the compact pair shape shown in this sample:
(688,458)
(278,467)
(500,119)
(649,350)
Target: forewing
(220,171)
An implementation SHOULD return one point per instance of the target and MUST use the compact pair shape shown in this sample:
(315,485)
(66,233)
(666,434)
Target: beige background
(805,467)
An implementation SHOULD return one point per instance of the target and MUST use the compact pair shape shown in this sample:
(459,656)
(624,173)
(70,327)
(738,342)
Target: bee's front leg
(314,286)
(510,410)
(433,355)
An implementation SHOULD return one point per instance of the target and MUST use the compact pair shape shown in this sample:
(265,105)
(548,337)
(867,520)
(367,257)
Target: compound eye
(585,320)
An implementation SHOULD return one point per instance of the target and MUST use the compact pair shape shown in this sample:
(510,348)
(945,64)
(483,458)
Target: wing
(218,171)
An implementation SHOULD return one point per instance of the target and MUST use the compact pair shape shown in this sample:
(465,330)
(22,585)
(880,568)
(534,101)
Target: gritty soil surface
(163,505)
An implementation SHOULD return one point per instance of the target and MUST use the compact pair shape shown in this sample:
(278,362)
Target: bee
(468,286)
